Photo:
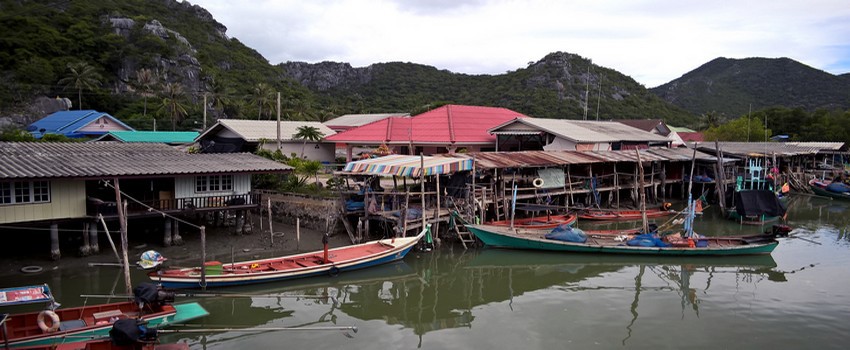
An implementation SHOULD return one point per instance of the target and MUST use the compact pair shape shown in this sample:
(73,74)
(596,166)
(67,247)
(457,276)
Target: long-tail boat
(54,325)
(623,215)
(318,263)
(541,222)
(505,237)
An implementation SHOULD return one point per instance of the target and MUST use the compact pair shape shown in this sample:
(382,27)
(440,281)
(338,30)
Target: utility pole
(599,97)
(205,111)
(587,91)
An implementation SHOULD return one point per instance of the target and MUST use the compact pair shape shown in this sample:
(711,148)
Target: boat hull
(626,215)
(826,193)
(496,237)
(190,278)
(179,313)
(540,222)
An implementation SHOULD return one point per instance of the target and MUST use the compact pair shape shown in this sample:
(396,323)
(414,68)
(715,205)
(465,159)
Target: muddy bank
(21,249)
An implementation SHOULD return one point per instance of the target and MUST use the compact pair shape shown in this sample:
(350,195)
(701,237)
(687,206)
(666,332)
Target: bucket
(212,268)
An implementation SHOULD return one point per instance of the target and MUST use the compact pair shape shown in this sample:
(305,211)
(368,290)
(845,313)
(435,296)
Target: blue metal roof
(69,122)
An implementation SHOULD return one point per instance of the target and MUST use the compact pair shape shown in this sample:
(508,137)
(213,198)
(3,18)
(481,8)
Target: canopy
(401,165)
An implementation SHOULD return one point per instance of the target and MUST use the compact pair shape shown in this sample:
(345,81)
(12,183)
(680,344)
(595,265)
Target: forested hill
(731,86)
(112,41)
(556,86)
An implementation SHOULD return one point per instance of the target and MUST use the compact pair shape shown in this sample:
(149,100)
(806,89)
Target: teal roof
(152,136)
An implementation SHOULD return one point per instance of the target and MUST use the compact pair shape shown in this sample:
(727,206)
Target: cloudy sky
(653,41)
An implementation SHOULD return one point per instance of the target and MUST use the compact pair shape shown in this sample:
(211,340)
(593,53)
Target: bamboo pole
(642,194)
(203,258)
(122,219)
(271,230)
(422,186)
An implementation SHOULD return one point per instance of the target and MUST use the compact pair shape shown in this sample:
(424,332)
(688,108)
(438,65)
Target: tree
(741,129)
(262,96)
(171,103)
(307,133)
(146,80)
(217,93)
(80,75)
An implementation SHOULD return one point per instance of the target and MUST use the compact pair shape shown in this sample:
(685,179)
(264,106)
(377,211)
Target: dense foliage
(798,124)
(735,86)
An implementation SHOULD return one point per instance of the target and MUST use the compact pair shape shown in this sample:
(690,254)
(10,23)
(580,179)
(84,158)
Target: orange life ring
(54,321)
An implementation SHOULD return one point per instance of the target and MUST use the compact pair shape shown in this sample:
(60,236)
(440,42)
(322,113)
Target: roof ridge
(76,120)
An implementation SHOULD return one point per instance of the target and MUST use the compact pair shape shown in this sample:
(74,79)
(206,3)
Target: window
(21,192)
(214,183)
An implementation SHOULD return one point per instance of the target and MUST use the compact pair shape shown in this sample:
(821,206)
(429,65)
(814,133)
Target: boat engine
(780,230)
(128,332)
(151,294)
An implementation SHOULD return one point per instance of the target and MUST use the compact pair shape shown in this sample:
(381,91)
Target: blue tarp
(567,233)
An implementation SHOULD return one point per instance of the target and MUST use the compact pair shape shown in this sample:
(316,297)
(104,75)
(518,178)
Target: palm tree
(81,75)
(263,96)
(172,94)
(146,80)
(218,93)
(307,133)
(301,109)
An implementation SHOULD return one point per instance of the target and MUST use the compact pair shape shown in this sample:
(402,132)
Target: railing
(177,204)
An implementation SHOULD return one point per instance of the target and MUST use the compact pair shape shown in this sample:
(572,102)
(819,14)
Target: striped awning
(411,166)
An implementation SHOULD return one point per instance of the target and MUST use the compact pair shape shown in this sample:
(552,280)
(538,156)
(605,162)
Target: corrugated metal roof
(446,125)
(527,159)
(762,149)
(581,130)
(23,160)
(151,136)
(541,159)
(255,130)
(68,122)
(351,120)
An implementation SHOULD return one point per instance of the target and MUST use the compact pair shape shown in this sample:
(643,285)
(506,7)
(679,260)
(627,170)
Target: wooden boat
(819,188)
(624,215)
(79,324)
(541,222)
(106,344)
(497,236)
(290,267)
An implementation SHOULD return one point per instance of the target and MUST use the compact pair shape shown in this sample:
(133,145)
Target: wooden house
(532,134)
(238,135)
(73,184)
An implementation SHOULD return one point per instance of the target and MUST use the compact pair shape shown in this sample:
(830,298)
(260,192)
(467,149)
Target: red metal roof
(449,124)
(691,136)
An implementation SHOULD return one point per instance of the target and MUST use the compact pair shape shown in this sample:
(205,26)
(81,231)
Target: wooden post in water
(122,220)
(721,177)
(203,258)
(617,184)
(271,228)
(298,234)
(642,194)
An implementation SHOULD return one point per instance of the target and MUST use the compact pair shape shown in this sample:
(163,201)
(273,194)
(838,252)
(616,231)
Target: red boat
(58,326)
(624,215)
(542,222)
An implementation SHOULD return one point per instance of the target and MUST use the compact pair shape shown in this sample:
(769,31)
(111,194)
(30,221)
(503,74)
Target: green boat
(819,188)
(53,326)
(505,237)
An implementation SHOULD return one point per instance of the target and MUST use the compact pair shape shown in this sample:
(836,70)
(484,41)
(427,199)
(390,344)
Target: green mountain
(732,86)
(560,85)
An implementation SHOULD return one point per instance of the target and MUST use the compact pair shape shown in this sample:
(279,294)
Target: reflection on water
(491,298)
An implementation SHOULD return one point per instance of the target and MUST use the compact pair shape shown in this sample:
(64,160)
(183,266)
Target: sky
(652,41)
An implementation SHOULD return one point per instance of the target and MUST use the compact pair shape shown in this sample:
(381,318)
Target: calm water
(796,298)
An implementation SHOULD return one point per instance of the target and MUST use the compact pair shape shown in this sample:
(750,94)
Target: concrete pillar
(93,240)
(348,150)
(85,249)
(240,221)
(176,239)
(166,236)
(55,254)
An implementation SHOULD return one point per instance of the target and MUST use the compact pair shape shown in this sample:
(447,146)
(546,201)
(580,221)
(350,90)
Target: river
(796,298)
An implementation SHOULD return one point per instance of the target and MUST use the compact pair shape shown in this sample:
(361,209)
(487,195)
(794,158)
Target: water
(795,298)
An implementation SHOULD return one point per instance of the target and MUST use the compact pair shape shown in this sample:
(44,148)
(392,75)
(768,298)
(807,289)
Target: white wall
(184,187)
(325,152)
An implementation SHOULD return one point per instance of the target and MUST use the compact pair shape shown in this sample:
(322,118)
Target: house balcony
(173,206)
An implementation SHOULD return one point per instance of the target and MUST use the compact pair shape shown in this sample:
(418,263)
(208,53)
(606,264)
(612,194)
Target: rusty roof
(40,160)
(542,159)
(762,149)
